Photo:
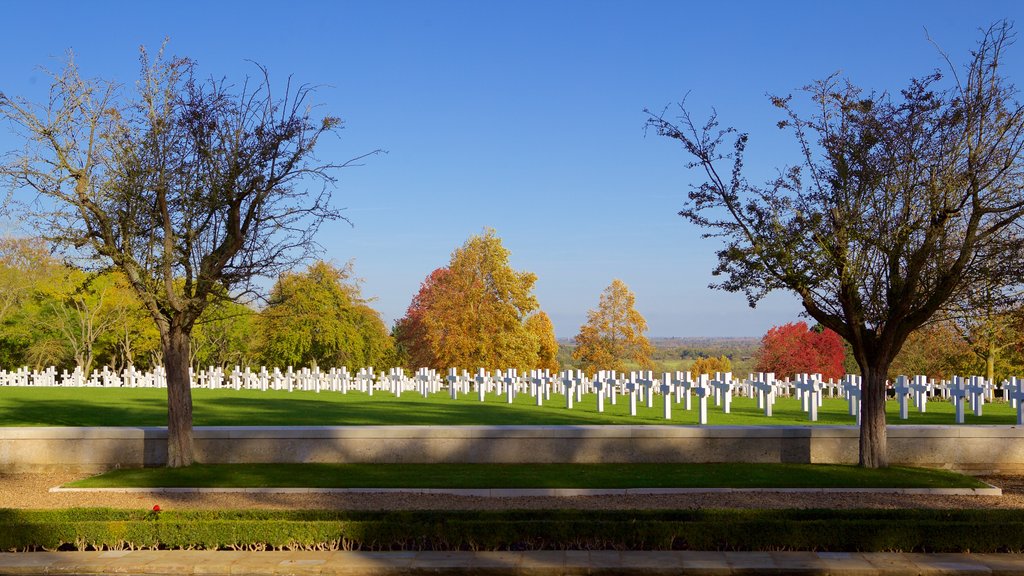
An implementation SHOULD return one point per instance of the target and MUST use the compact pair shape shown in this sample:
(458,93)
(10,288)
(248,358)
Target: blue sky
(526,117)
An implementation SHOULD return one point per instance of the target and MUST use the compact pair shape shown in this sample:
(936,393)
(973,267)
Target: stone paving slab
(531,563)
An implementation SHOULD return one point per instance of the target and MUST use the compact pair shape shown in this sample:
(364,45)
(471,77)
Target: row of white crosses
(973,389)
(642,386)
(808,391)
(763,384)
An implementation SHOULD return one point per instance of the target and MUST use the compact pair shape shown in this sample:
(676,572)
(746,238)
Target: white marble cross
(902,389)
(511,381)
(701,389)
(481,383)
(666,393)
(852,384)
(764,384)
(977,388)
(631,388)
(569,382)
(1015,392)
(723,385)
(957,393)
(599,386)
(647,381)
(921,387)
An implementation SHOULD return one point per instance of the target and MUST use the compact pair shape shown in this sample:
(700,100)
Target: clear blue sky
(525,117)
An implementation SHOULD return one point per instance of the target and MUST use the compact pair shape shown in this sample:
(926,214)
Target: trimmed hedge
(832,530)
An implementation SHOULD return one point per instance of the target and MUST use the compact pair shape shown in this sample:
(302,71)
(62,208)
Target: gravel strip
(32,491)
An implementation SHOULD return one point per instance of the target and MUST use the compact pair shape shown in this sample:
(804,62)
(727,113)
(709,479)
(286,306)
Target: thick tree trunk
(179,398)
(873,448)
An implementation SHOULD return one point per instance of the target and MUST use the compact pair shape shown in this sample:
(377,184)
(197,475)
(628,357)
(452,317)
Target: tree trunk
(990,361)
(873,449)
(179,397)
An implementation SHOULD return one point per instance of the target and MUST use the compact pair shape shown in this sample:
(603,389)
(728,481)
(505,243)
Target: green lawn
(28,406)
(728,475)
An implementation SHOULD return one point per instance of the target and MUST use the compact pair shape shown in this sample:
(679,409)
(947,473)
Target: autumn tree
(410,332)
(473,312)
(191,188)
(796,349)
(613,333)
(710,365)
(539,324)
(936,350)
(988,317)
(899,203)
(320,318)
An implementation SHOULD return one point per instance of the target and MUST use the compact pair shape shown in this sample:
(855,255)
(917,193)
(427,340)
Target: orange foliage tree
(710,365)
(613,333)
(540,326)
(474,313)
(935,350)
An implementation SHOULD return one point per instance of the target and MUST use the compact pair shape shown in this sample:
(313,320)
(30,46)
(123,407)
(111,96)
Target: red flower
(156,507)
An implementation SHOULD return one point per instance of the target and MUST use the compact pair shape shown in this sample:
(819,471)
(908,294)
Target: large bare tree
(192,188)
(899,204)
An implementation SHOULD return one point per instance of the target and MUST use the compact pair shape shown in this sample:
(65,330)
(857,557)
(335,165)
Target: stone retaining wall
(968,448)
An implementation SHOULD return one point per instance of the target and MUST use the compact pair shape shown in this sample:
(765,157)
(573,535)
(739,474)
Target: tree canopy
(936,350)
(474,313)
(710,365)
(796,349)
(540,326)
(320,318)
(898,204)
(614,333)
(190,187)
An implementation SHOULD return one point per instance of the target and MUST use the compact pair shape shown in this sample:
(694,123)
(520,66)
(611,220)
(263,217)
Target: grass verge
(719,475)
(822,530)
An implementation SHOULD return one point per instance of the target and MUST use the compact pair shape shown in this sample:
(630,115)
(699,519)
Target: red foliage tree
(795,349)
(410,332)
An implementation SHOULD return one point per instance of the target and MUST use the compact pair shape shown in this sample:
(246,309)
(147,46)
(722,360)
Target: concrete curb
(537,492)
(533,563)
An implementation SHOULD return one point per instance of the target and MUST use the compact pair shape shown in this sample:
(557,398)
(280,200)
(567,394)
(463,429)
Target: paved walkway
(538,563)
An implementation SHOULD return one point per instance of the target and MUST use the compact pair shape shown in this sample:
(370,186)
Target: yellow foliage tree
(710,366)
(472,314)
(614,333)
(547,345)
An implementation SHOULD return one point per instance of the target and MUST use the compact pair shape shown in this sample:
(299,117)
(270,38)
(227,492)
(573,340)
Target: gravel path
(32,491)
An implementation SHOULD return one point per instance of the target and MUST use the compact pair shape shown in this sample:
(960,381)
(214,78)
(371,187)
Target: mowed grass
(46,406)
(726,475)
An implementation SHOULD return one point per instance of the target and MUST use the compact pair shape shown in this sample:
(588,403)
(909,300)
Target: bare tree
(192,188)
(898,206)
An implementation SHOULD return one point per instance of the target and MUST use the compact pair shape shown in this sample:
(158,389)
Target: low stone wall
(968,448)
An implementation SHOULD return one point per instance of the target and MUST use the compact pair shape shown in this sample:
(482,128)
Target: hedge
(822,530)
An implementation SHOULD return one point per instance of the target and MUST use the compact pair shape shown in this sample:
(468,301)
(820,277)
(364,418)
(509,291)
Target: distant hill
(677,353)
(707,341)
